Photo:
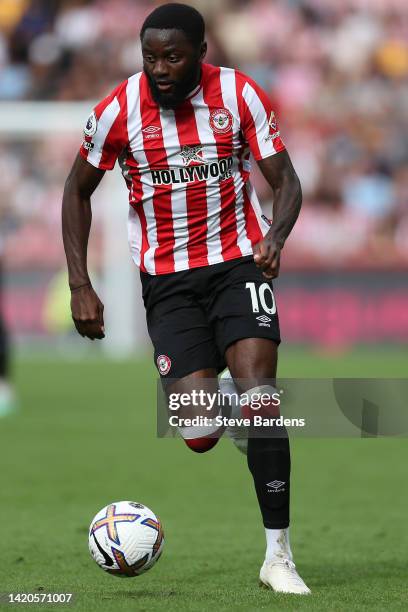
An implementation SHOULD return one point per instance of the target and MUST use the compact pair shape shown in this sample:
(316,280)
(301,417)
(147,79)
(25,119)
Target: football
(125,538)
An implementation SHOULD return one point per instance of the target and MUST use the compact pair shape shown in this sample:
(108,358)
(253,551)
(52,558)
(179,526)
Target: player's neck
(196,83)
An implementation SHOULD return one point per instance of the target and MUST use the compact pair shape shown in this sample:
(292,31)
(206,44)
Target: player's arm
(287,200)
(260,129)
(86,307)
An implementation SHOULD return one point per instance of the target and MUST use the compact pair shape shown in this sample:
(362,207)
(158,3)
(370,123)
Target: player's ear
(203,50)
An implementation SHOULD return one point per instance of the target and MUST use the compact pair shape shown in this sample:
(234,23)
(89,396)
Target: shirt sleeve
(259,125)
(105,135)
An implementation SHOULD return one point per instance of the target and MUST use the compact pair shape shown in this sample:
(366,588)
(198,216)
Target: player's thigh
(253,362)
(200,388)
(246,321)
(182,338)
(183,342)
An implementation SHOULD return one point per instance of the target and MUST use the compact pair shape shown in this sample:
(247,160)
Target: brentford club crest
(163,364)
(221,120)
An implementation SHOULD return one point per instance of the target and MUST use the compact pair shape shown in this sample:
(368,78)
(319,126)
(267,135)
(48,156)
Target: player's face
(172,65)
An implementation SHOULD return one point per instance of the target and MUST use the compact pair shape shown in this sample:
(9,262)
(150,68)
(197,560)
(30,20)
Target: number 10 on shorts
(261,295)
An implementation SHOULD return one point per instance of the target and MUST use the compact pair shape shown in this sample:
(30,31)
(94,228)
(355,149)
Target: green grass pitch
(85,436)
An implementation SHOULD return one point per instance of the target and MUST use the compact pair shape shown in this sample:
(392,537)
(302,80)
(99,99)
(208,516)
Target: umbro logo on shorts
(264,321)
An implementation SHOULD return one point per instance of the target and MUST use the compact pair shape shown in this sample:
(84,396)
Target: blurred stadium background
(337,73)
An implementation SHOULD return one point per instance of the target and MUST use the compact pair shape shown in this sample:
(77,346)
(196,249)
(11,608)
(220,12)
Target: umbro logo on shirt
(151,131)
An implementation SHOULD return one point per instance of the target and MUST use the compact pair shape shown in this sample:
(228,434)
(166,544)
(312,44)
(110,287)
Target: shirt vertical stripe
(228,225)
(196,212)
(157,159)
(212,192)
(142,193)
(228,88)
(178,196)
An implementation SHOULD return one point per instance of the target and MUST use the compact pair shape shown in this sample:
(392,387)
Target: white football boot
(279,572)
(239,435)
(281,576)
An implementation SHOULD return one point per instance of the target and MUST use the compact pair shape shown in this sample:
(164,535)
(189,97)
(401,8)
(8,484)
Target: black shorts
(193,316)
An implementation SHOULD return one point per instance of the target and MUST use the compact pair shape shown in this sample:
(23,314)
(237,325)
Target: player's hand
(87,313)
(267,256)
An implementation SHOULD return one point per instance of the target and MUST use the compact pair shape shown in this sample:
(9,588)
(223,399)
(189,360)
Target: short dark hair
(178,17)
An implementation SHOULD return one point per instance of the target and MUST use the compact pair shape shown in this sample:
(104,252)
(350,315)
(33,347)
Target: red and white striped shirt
(187,169)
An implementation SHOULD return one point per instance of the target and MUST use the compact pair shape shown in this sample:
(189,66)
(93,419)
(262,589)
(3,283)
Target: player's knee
(201,439)
(262,401)
(201,445)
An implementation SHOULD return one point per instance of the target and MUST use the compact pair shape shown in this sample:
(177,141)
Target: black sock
(269,463)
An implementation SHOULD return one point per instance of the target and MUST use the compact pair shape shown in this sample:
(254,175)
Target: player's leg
(237,432)
(242,308)
(199,386)
(185,353)
(253,363)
